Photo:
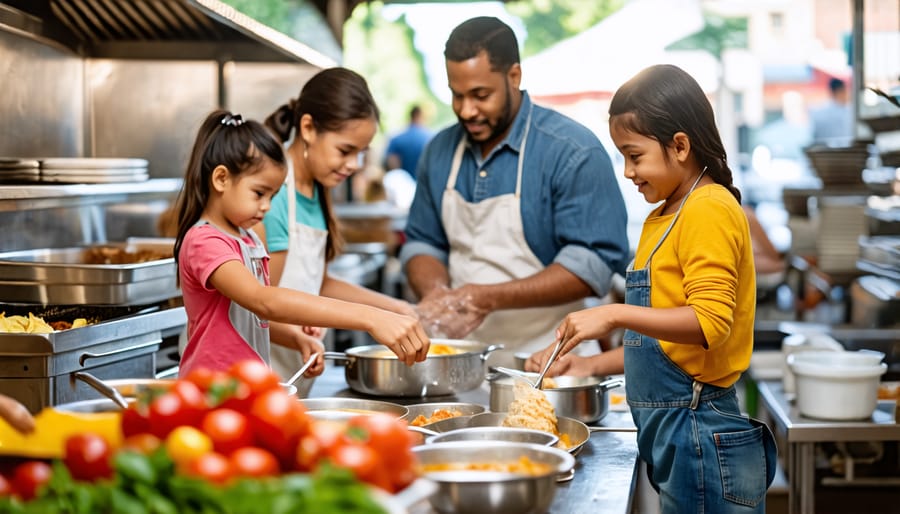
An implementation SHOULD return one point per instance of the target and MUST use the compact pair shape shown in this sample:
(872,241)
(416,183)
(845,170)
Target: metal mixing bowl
(515,435)
(342,409)
(488,492)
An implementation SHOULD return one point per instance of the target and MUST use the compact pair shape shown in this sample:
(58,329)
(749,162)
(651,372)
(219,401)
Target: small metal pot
(375,370)
(490,492)
(581,398)
(515,435)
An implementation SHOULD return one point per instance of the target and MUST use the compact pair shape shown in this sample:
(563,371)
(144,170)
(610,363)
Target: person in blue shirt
(404,149)
(832,123)
(517,216)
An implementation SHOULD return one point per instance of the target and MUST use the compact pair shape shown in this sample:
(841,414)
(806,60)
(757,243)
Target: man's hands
(452,313)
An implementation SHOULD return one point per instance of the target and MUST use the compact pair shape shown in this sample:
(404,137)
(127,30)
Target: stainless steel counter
(605,469)
(802,433)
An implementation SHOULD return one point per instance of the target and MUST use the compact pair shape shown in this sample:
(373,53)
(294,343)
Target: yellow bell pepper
(53,427)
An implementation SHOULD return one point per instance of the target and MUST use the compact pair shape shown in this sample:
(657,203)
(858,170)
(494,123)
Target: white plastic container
(800,342)
(838,386)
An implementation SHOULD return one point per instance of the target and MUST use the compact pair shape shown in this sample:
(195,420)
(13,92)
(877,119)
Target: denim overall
(702,455)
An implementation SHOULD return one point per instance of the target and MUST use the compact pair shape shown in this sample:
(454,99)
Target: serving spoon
(540,380)
(309,362)
(102,387)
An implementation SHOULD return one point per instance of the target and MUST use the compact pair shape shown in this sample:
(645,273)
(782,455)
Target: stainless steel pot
(491,492)
(375,370)
(581,398)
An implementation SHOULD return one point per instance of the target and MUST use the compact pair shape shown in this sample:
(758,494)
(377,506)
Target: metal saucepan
(342,409)
(375,370)
(581,398)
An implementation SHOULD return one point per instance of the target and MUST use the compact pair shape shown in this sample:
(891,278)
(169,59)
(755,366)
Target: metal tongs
(556,350)
(521,375)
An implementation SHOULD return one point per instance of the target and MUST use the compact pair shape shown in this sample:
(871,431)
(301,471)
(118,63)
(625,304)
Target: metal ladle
(102,387)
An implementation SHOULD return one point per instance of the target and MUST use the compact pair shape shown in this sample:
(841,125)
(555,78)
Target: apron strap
(674,219)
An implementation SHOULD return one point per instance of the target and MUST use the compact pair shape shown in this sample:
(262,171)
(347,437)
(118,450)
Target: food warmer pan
(129,273)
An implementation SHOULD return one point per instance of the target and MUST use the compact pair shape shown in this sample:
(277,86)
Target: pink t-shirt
(213,341)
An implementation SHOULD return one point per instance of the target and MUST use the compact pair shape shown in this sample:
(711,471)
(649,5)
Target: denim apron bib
(702,455)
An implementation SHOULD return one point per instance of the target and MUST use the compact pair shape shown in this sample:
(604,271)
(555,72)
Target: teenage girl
(329,128)
(235,169)
(689,303)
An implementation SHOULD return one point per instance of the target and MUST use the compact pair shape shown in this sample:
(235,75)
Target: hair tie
(232,120)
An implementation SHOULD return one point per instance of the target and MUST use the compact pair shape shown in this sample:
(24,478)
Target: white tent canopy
(609,53)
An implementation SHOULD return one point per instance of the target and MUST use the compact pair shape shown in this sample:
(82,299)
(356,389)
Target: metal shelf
(31,197)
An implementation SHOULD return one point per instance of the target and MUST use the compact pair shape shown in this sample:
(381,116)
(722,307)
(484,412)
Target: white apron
(488,246)
(304,270)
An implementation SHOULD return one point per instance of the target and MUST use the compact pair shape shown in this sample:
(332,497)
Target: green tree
(550,21)
(718,34)
(273,13)
(384,53)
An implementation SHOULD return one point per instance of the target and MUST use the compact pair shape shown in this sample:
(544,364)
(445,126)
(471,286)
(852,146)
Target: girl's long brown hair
(225,139)
(332,98)
(664,100)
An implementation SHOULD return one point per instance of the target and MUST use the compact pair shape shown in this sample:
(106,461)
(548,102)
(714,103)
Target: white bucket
(837,385)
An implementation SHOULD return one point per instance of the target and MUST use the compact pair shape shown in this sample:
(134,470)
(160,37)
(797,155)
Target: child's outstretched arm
(677,324)
(402,334)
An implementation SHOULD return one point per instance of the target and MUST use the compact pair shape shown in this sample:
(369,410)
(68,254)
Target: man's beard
(503,121)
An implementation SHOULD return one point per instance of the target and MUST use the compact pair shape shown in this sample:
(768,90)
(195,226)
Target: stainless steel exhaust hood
(158,29)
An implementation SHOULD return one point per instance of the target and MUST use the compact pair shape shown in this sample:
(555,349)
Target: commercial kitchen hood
(156,29)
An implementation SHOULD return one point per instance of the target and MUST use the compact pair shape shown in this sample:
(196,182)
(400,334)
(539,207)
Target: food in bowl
(531,409)
(433,350)
(436,415)
(522,466)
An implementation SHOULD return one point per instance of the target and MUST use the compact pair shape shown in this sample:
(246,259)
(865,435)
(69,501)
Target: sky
(433,22)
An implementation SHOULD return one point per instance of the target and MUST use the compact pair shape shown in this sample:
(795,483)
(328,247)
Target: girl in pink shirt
(235,169)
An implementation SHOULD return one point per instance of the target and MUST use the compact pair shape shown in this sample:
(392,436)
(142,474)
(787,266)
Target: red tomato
(144,443)
(363,461)
(278,421)
(213,467)
(256,374)
(6,487)
(134,421)
(228,429)
(193,400)
(87,457)
(386,434)
(29,476)
(204,377)
(251,461)
(317,444)
(167,412)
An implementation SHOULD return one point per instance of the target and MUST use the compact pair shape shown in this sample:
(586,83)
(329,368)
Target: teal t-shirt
(309,212)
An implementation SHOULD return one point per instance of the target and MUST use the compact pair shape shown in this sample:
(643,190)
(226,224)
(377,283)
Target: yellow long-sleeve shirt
(705,262)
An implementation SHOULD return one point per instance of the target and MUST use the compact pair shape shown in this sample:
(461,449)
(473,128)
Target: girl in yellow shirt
(689,303)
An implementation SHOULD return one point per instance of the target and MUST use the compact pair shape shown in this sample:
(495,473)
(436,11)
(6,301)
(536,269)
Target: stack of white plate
(93,170)
(72,170)
(16,171)
(842,220)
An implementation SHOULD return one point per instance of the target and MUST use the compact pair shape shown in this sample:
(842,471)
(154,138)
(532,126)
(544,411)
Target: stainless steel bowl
(515,435)
(90,406)
(446,425)
(488,492)
(342,409)
(427,409)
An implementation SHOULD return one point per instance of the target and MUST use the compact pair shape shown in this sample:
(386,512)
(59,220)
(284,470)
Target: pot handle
(487,351)
(611,383)
(337,356)
(611,429)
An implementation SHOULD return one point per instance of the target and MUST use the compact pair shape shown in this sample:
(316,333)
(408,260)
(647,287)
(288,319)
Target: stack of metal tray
(66,276)
(128,306)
